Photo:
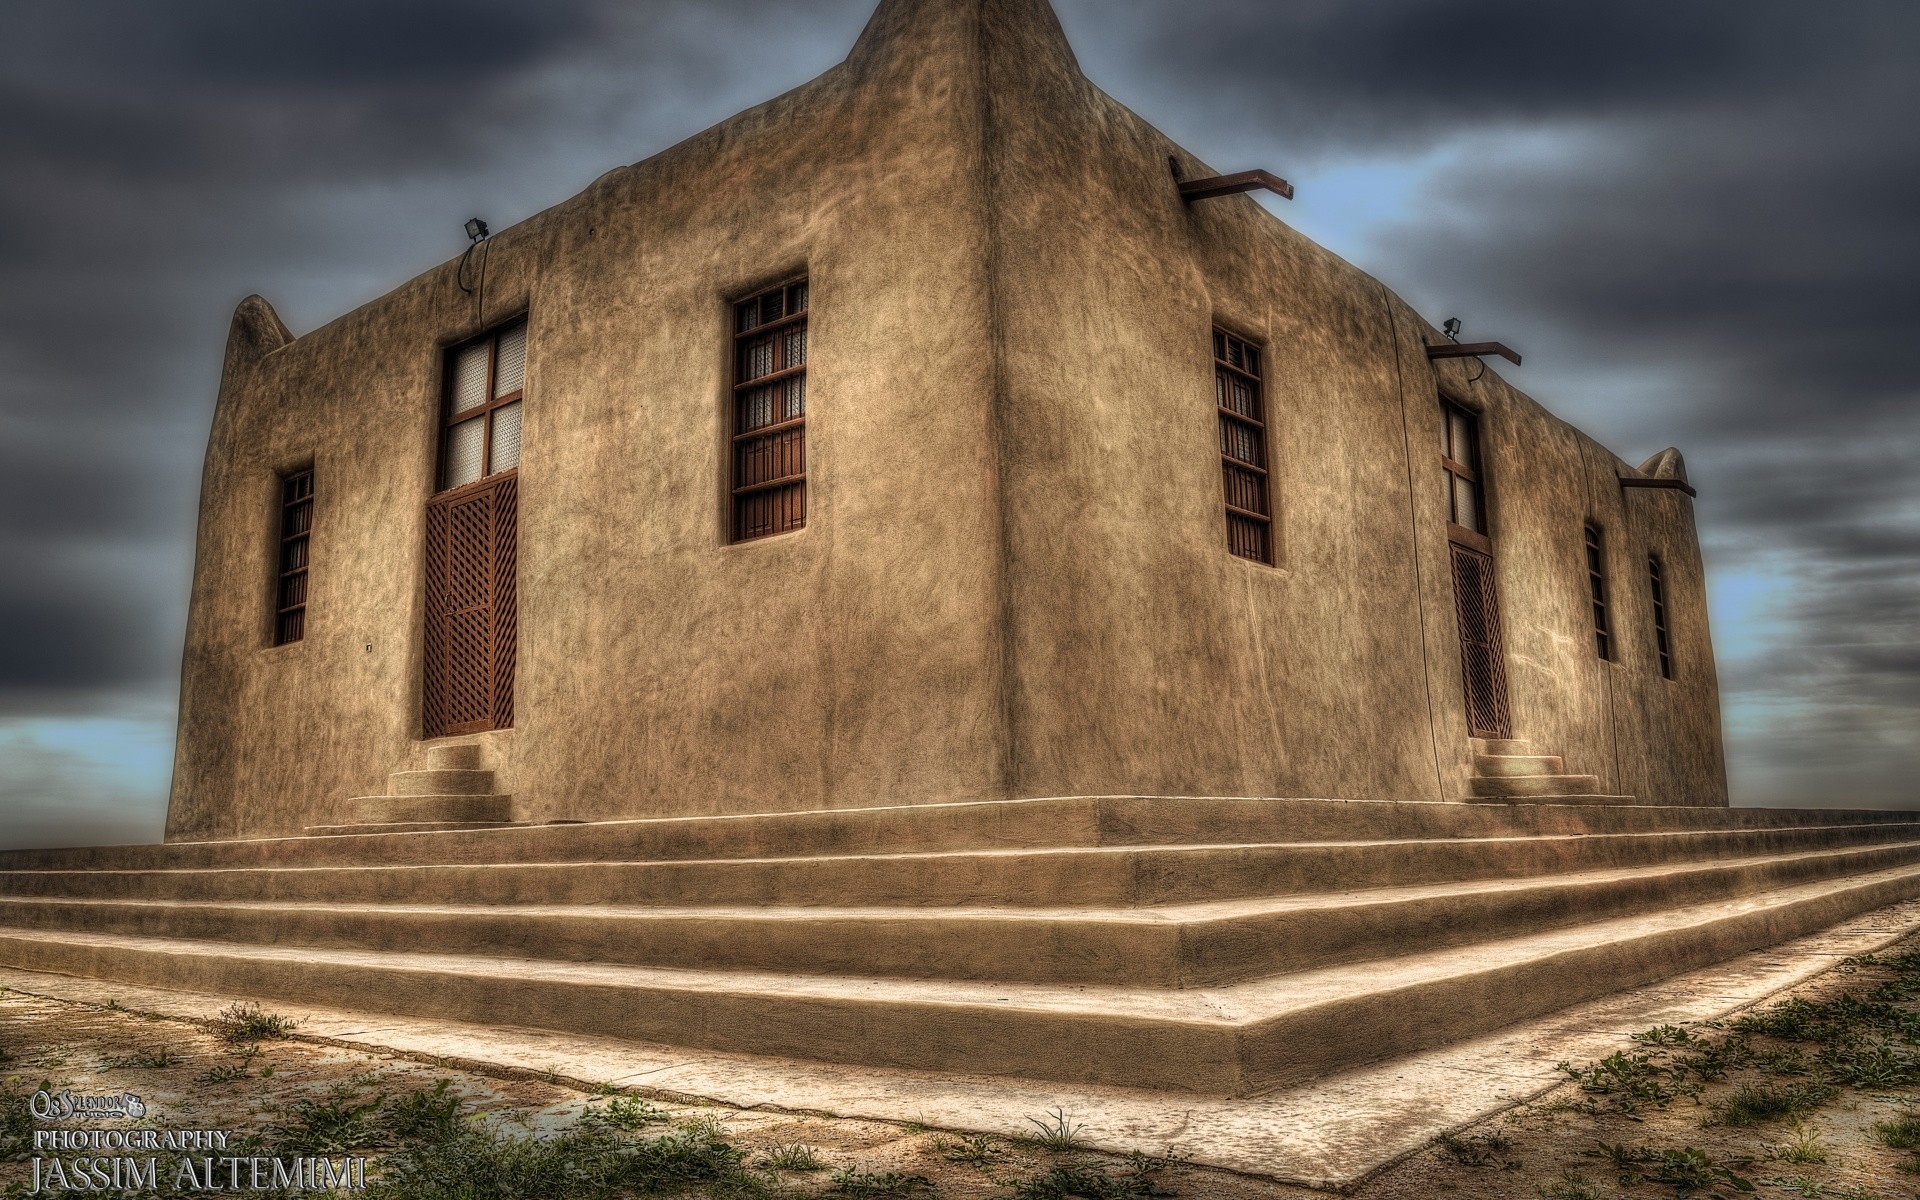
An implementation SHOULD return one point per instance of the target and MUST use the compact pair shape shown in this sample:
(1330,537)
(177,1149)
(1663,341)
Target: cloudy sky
(1699,220)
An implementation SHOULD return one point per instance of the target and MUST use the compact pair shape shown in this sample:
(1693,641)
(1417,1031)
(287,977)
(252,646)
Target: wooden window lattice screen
(1483,666)
(296,531)
(1242,411)
(768,472)
(1597,588)
(1662,644)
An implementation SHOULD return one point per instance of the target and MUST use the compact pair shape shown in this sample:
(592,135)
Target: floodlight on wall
(476,230)
(1451,328)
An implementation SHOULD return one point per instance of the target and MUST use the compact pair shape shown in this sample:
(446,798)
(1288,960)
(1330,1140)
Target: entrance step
(1536,785)
(1236,1040)
(453,792)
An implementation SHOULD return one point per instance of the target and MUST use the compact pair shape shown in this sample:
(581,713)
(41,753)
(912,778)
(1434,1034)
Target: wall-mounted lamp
(476,230)
(1452,329)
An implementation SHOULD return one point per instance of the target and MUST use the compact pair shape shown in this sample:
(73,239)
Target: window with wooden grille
(1460,455)
(1239,397)
(1662,644)
(768,473)
(486,381)
(296,530)
(1597,590)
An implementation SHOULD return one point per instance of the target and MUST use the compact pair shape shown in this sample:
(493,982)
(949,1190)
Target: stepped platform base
(1327,1134)
(1221,947)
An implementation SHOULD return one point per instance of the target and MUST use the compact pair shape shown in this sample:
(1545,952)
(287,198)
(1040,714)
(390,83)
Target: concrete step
(1536,786)
(440,783)
(1171,947)
(401,827)
(1084,821)
(1236,1040)
(1095,877)
(454,756)
(1500,745)
(439,808)
(1510,765)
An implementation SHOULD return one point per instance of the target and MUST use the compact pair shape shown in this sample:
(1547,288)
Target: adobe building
(1061,484)
(927,575)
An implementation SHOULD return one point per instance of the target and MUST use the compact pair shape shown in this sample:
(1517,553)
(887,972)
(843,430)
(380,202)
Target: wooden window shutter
(296,533)
(768,469)
(1241,408)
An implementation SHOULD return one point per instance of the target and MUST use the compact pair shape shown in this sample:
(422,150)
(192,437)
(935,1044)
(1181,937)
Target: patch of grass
(16,1119)
(1568,1185)
(877,1185)
(794,1157)
(1806,1149)
(340,1120)
(1755,1105)
(591,1160)
(147,1058)
(427,1115)
(1690,1171)
(1058,1131)
(113,1005)
(1087,1181)
(1901,1133)
(1479,1150)
(1628,1081)
(976,1151)
(245,1024)
(1881,1064)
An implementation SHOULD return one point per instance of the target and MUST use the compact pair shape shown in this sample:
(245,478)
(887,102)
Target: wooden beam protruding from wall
(1677,485)
(1233,185)
(1473,350)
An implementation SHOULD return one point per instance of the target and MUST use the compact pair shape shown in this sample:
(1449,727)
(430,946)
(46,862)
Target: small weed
(631,1112)
(975,1151)
(1806,1149)
(16,1119)
(6,1056)
(113,1005)
(1480,1150)
(1087,1181)
(337,1122)
(877,1185)
(1626,1160)
(707,1125)
(1756,1105)
(1689,1171)
(1057,1132)
(1663,1035)
(246,1024)
(425,1115)
(148,1058)
(1568,1185)
(795,1157)
(223,1073)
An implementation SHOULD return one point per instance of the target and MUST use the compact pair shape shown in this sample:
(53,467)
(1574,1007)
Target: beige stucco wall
(1013,580)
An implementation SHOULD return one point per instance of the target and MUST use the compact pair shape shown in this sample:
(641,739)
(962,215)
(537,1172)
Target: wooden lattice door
(471,627)
(1483,668)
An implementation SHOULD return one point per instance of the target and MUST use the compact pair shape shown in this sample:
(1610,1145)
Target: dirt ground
(1813,1094)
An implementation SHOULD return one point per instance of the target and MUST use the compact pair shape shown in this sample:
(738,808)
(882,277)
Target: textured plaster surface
(1327,1134)
(1013,580)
